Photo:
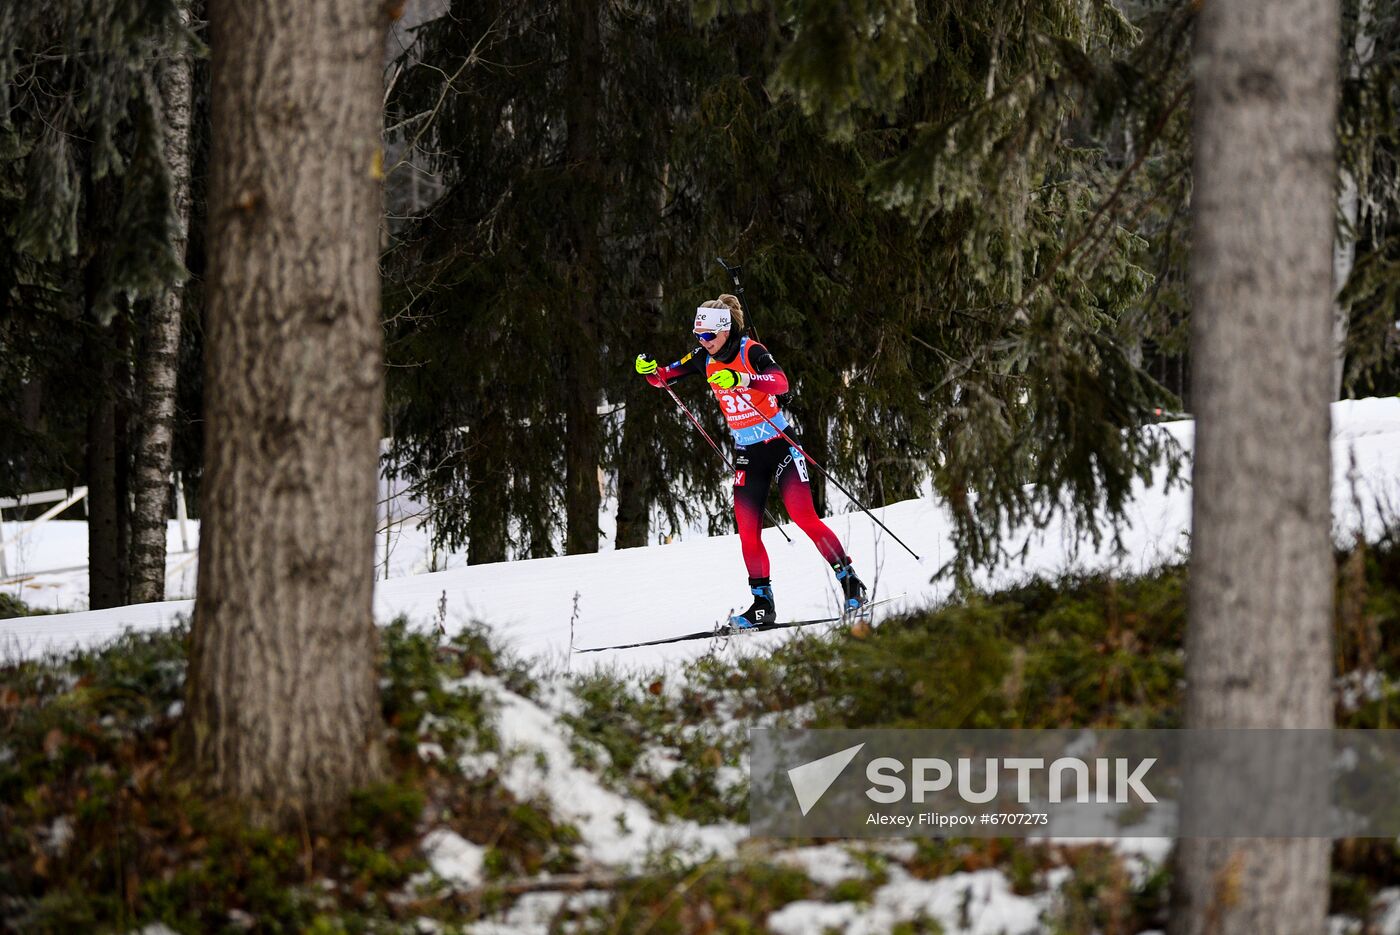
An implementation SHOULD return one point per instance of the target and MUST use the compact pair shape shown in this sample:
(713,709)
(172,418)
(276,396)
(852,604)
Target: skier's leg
(752,478)
(796,491)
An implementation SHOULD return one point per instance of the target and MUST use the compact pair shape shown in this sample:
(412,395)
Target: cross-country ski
(722,631)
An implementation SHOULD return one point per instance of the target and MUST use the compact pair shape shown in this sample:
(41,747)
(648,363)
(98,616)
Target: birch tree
(160,360)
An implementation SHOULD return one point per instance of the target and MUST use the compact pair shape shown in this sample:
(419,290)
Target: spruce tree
(87,238)
(1033,396)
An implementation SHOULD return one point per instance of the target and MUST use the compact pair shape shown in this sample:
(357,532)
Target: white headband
(712,319)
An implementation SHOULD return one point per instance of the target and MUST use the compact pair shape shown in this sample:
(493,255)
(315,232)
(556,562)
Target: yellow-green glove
(644,366)
(729,379)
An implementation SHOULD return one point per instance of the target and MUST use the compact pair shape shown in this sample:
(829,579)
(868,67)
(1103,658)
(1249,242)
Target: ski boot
(762,610)
(852,588)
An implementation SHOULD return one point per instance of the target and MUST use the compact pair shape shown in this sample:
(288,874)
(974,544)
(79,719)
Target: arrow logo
(811,780)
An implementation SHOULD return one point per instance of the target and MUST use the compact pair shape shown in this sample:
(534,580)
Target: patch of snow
(478,765)
(430,752)
(155,928)
(729,778)
(826,865)
(1056,877)
(1343,925)
(537,764)
(977,903)
(534,913)
(454,858)
(1144,846)
(658,763)
(1357,688)
(60,834)
(1152,849)
(556,696)
(798,716)
(243,921)
(1387,911)
(806,916)
(429,723)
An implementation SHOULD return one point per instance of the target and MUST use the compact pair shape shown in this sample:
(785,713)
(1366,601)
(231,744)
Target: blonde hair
(731,302)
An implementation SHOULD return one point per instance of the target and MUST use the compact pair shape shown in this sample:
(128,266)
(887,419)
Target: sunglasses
(707,335)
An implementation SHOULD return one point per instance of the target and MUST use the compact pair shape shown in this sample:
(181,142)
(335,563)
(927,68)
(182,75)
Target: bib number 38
(736,403)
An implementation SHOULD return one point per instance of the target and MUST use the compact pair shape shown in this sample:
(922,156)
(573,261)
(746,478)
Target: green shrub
(11,606)
(713,897)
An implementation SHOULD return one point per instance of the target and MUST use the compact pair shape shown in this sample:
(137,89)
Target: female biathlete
(745,379)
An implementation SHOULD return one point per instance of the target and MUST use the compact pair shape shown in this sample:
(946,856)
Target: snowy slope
(638,594)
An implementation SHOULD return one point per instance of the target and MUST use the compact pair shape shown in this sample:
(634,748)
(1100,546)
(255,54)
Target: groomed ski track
(634,595)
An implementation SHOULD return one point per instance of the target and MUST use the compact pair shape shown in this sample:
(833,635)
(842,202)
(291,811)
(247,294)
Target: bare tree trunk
(1260,596)
(160,362)
(582,497)
(283,703)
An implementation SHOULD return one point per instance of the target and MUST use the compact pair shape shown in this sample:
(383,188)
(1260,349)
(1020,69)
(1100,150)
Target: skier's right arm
(661,376)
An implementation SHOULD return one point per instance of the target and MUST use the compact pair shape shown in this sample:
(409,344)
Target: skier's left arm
(768,378)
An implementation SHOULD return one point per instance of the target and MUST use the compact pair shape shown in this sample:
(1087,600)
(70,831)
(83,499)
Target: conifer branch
(1110,202)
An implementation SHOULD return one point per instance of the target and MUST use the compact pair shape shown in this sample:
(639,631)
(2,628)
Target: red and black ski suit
(762,456)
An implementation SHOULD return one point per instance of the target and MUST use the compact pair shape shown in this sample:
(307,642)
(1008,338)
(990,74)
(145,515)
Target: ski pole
(696,422)
(852,497)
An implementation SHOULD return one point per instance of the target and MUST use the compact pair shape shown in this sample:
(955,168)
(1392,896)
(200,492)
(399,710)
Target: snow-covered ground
(540,607)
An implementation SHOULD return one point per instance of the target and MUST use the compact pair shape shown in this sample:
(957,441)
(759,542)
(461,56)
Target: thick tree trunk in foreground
(160,362)
(283,703)
(582,497)
(1261,565)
